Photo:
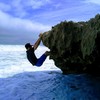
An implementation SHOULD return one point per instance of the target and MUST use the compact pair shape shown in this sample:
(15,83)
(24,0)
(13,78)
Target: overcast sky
(21,21)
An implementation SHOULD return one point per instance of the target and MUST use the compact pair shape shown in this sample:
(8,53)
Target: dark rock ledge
(75,46)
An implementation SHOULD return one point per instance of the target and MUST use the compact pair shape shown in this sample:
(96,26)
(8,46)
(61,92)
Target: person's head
(28,46)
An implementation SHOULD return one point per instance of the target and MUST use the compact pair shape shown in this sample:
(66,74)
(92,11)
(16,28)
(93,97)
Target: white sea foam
(13,60)
(33,83)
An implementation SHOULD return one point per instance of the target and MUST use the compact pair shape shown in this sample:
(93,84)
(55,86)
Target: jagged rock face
(75,46)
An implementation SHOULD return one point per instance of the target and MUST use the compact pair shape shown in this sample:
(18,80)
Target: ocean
(13,60)
(19,80)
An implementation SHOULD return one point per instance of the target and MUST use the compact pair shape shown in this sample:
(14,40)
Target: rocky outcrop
(74,46)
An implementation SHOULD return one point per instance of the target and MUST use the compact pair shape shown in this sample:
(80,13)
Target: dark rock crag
(75,46)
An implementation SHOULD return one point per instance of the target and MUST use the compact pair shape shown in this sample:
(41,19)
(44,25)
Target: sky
(21,21)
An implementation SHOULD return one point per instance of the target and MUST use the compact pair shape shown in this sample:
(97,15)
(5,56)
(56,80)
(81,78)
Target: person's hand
(40,35)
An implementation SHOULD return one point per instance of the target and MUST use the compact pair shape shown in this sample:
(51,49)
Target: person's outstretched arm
(37,42)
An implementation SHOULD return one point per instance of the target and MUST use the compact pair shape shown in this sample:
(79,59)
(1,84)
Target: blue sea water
(13,60)
(42,85)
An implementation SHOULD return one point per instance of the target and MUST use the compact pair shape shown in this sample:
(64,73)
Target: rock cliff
(75,46)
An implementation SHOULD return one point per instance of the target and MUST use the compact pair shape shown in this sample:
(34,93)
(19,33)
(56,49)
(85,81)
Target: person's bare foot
(47,53)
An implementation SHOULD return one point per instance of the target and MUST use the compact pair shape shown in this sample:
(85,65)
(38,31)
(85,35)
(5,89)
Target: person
(30,49)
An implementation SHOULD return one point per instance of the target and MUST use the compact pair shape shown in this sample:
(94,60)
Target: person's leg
(42,59)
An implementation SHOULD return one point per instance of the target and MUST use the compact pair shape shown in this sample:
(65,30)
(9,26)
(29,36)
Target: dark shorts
(41,60)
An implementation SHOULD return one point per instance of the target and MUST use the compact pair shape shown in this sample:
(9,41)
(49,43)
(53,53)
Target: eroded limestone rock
(75,46)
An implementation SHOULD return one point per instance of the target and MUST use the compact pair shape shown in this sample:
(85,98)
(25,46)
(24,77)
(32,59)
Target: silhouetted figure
(31,55)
